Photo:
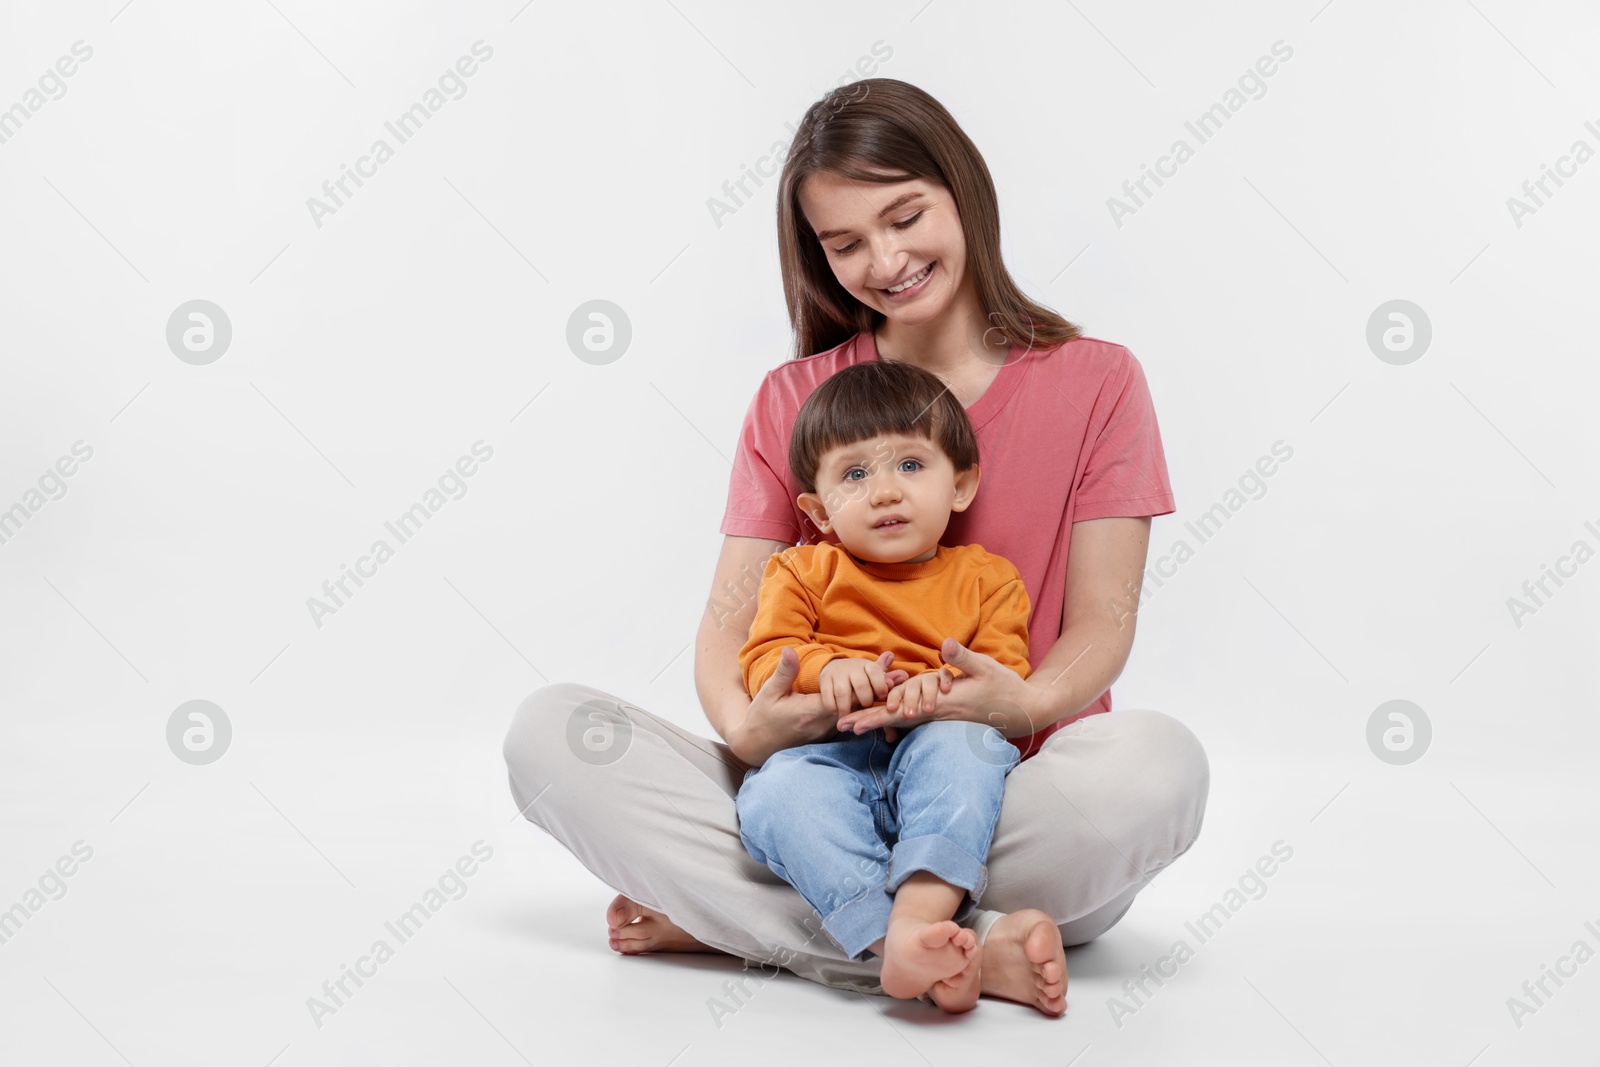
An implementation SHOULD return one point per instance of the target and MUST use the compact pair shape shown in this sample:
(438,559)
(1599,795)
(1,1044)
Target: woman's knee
(535,723)
(1179,770)
(548,726)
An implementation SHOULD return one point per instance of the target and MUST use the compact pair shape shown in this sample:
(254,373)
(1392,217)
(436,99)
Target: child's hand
(919,695)
(848,683)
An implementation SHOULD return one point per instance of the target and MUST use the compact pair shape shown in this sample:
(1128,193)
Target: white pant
(649,808)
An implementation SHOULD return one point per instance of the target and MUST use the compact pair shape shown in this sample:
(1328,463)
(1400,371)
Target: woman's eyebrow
(890,206)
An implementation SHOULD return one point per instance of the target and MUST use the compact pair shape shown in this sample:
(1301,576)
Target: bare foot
(636,929)
(1023,961)
(916,954)
(960,991)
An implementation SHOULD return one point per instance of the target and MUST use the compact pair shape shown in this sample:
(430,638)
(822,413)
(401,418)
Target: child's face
(899,476)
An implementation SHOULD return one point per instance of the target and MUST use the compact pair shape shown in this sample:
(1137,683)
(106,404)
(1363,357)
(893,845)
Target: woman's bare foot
(1023,961)
(960,991)
(635,929)
(918,953)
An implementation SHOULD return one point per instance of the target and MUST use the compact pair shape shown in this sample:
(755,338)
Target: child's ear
(811,504)
(966,486)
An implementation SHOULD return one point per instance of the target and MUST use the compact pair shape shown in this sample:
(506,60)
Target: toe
(622,911)
(632,943)
(936,934)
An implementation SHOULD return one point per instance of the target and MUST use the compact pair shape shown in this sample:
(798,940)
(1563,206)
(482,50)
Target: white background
(425,315)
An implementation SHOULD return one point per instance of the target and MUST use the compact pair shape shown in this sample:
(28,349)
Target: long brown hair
(885,130)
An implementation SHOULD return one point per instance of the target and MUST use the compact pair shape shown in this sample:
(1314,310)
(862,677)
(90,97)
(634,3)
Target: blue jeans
(824,817)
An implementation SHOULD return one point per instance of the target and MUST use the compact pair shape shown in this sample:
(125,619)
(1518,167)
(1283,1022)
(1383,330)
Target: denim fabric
(847,821)
(653,817)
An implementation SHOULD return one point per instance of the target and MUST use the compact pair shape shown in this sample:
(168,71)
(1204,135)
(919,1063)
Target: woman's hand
(987,691)
(779,718)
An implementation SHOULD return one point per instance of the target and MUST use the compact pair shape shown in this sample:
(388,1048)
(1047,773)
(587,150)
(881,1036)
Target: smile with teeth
(909,282)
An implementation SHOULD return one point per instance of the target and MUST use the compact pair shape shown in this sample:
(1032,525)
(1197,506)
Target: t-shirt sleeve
(1126,474)
(758,496)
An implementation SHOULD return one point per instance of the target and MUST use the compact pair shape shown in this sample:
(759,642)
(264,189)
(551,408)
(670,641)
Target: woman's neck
(948,346)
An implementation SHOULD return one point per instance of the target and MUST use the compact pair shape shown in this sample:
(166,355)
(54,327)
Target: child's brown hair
(875,397)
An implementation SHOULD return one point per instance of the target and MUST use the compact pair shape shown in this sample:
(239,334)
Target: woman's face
(878,237)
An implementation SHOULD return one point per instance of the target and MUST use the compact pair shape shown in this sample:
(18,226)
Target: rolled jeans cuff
(944,859)
(857,923)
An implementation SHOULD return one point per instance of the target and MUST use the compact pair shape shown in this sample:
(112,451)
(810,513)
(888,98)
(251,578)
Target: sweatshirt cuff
(809,680)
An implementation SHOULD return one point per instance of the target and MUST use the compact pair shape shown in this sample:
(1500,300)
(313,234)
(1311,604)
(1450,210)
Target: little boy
(887,842)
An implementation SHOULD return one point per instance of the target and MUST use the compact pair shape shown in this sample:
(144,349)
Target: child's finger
(878,680)
(862,687)
(914,690)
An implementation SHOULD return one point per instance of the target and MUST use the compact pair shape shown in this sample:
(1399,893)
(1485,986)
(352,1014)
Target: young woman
(890,242)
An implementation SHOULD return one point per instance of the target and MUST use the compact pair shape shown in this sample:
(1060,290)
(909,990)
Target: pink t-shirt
(1064,434)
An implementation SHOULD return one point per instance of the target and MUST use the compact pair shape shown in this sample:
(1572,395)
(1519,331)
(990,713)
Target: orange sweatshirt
(827,604)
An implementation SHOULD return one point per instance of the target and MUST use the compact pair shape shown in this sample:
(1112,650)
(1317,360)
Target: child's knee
(962,739)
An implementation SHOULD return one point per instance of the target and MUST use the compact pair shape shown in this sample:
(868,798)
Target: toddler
(886,835)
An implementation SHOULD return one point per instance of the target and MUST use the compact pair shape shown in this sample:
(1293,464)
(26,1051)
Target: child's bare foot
(960,991)
(1023,961)
(636,928)
(918,953)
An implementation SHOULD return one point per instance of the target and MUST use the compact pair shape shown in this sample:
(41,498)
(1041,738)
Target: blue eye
(848,475)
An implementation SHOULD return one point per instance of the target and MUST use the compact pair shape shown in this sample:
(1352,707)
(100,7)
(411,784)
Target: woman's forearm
(721,686)
(718,679)
(724,628)
(719,682)
(1081,665)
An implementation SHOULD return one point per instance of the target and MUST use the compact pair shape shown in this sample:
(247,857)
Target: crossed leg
(1108,802)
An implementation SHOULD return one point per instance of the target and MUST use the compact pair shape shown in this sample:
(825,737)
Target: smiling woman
(889,241)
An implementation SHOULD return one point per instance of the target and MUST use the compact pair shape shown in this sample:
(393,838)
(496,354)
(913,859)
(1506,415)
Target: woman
(890,244)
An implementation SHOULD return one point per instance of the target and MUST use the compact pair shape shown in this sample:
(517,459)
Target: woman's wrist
(1047,702)
(742,740)
(1033,709)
